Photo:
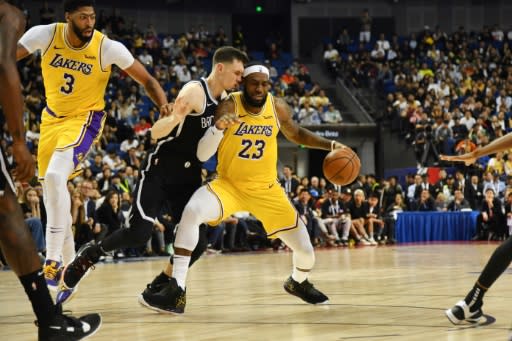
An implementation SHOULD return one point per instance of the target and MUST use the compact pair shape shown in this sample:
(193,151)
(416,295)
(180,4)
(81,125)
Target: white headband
(256,68)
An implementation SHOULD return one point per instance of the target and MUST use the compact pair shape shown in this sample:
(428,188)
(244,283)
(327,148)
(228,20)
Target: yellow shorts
(267,202)
(58,133)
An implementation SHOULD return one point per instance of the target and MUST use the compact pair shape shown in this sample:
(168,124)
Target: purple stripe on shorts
(50,111)
(91,133)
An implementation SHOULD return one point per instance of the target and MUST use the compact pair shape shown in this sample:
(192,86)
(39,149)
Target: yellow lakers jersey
(248,152)
(74,80)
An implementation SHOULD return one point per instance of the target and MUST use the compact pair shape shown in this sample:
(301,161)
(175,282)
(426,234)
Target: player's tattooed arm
(297,134)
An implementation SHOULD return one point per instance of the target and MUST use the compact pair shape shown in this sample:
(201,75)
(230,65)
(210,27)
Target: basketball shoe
(52,273)
(69,328)
(171,299)
(461,312)
(158,284)
(74,272)
(305,290)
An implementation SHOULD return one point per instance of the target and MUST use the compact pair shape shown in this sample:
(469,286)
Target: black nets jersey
(175,155)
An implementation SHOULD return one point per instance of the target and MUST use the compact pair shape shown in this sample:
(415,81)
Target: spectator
(289,182)
(331,115)
(459,203)
(425,202)
(366,27)
(491,220)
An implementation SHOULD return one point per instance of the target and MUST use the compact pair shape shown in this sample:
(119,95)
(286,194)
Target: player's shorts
(5,177)
(267,202)
(59,133)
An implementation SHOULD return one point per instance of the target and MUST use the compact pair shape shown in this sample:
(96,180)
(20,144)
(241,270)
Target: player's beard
(252,102)
(79,34)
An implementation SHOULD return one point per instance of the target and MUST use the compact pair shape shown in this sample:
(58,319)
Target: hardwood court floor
(376,293)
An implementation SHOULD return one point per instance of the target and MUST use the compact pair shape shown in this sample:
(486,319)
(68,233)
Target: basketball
(341,166)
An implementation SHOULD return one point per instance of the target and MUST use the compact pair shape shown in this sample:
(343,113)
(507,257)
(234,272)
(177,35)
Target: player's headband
(256,68)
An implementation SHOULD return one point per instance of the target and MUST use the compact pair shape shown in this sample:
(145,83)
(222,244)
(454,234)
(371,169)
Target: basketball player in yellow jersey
(76,64)
(245,134)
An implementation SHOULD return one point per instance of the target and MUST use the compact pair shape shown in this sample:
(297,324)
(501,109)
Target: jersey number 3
(70,82)
(247,144)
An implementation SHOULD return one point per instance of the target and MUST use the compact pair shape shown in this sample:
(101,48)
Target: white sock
(68,249)
(371,235)
(299,275)
(180,269)
(54,240)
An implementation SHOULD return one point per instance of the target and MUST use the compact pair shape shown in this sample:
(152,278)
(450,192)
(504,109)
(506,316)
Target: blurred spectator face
(474,179)
(417,179)
(425,194)
(358,196)
(398,199)
(373,201)
(489,195)
(304,196)
(314,181)
(287,171)
(459,195)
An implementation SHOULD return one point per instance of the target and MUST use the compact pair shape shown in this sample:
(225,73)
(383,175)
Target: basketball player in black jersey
(172,171)
(15,238)
(470,308)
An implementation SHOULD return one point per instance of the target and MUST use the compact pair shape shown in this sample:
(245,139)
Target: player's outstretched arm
(191,98)
(296,134)
(225,117)
(138,72)
(10,97)
(500,144)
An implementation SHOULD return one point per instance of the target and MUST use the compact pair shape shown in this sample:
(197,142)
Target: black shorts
(5,177)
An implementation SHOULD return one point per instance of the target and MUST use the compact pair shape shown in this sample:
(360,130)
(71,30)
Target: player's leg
(470,308)
(303,261)
(149,196)
(178,198)
(20,251)
(203,206)
(58,210)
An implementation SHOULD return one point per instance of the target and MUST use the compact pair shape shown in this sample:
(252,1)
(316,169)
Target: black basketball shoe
(305,290)
(171,299)
(69,328)
(158,284)
(461,312)
(74,272)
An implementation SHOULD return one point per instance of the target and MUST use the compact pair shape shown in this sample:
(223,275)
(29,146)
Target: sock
(371,235)
(54,241)
(299,275)
(180,269)
(68,249)
(475,296)
(39,296)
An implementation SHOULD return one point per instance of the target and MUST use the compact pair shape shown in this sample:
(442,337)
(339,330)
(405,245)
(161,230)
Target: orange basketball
(341,166)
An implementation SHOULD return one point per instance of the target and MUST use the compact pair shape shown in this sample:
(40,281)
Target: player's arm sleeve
(113,52)
(210,141)
(38,38)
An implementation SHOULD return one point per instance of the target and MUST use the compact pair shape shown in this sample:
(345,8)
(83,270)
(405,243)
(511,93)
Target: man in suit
(424,185)
(459,202)
(288,182)
(473,192)
(425,202)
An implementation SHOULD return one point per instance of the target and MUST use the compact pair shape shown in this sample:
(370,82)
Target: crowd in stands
(444,93)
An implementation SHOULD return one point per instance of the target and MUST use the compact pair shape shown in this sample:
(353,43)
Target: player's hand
(338,145)
(468,158)
(25,165)
(226,121)
(165,110)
